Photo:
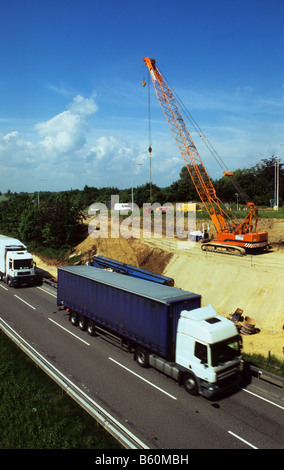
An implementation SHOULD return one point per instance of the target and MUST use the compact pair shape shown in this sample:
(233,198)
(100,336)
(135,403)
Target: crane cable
(149,130)
(150,137)
(149,115)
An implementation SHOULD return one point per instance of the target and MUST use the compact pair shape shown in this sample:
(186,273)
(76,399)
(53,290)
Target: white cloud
(14,151)
(63,133)
(84,106)
(70,150)
(68,154)
(112,159)
(111,149)
(58,142)
(66,131)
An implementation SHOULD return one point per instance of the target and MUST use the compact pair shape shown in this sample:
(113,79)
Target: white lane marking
(65,329)
(142,378)
(67,382)
(243,440)
(46,291)
(3,287)
(24,301)
(264,399)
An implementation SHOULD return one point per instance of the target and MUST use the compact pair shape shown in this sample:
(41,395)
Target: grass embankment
(36,414)
(270,364)
(54,255)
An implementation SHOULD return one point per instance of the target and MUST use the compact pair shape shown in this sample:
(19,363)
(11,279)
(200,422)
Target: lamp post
(276,182)
(276,185)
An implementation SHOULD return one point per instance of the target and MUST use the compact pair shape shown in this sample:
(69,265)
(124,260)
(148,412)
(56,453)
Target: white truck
(17,266)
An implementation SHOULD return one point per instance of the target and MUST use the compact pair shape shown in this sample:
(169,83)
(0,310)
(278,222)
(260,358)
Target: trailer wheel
(91,328)
(82,323)
(190,384)
(142,357)
(74,318)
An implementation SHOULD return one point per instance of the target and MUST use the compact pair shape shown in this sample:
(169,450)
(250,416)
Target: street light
(276,184)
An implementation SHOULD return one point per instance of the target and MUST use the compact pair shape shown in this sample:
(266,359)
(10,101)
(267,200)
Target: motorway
(150,405)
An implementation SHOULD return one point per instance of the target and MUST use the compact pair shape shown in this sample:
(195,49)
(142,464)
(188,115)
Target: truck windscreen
(224,351)
(23,263)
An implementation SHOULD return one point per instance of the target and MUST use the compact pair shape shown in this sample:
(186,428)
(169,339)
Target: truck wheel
(141,357)
(82,323)
(74,318)
(91,328)
(190,384)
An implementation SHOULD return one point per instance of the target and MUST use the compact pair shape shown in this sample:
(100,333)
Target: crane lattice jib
(191,157)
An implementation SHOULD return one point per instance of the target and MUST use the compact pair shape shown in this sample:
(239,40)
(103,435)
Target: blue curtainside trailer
(139,312)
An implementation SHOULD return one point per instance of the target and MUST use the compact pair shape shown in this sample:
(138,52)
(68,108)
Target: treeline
(55,219)
(55,222)
(257,184)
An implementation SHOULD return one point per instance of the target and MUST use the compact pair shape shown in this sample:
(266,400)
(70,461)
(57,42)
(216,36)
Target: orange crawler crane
(233,236)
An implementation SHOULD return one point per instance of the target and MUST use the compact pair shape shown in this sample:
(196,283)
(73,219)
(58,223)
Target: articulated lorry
(165,327)
(16,264)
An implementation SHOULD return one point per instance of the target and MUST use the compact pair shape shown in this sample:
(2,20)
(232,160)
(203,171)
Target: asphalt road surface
(152,406)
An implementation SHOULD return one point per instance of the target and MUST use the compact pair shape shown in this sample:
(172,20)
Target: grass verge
(36,414)
(271,364)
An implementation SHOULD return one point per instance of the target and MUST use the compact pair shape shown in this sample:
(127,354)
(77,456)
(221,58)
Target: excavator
(232,236)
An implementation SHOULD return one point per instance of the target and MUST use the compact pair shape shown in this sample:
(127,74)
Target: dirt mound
(275,229)
(130,251)
(151,259)
(46,268)
(115,248)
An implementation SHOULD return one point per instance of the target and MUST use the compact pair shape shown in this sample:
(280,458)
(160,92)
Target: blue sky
(74,113)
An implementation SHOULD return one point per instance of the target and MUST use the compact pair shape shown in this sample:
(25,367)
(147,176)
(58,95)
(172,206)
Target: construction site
(237,266)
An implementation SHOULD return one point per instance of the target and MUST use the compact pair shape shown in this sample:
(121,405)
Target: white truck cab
(208,347)
(16,264)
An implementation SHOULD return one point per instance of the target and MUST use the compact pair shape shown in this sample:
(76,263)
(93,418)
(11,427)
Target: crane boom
(229,233)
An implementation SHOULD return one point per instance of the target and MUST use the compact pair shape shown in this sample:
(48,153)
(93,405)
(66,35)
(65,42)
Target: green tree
(105,194)
(142,194)
(255,184)
(61,222)
(264,184)
(89,195)
(11,212)
(182,190)
(29,226)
